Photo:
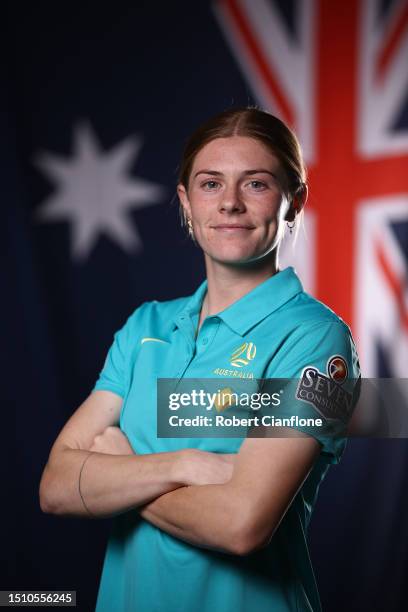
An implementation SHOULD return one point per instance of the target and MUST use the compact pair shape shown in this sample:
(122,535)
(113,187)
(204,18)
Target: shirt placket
(206,334)
(188,350)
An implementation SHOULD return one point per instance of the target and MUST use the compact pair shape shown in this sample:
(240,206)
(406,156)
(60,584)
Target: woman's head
(231,147)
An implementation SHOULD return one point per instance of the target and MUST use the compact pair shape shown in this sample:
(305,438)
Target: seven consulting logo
(325,392)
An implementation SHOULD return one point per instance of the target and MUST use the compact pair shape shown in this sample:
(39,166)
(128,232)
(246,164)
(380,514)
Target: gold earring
(190,227)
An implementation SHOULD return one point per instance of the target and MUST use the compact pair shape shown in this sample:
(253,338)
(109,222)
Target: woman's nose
(231,200)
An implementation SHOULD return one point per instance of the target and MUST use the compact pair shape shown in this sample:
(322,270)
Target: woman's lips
(233,227)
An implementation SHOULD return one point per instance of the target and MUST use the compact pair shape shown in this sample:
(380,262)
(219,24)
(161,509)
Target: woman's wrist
(181,469)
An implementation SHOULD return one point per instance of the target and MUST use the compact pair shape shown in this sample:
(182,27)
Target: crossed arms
(231,503)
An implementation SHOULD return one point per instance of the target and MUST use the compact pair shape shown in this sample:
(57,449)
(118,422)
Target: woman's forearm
(207,516)
(110,484)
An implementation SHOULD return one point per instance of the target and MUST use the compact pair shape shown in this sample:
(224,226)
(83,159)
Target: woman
(212,523)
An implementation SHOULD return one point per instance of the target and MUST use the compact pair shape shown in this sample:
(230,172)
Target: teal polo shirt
(275,331)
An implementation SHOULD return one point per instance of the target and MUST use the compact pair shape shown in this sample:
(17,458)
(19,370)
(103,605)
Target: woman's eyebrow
(212,172)
(260,171)
(246,172)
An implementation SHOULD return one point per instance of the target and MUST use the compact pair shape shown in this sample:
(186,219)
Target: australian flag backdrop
(97,102)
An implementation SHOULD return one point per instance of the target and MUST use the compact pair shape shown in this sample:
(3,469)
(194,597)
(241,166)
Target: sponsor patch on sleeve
(325,392)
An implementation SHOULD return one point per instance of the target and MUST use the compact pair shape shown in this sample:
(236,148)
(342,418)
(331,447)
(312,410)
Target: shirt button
(205,340)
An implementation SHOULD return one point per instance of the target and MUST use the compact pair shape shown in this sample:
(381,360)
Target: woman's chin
(237,257)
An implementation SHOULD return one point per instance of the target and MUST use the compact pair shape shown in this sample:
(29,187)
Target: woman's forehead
(235,152)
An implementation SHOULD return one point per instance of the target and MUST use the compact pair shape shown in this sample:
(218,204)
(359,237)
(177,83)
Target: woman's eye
(257,185)
(210,185)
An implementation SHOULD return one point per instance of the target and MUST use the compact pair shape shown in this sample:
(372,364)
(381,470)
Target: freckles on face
(235,197)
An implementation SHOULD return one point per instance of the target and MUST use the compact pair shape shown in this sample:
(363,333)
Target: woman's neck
(227,284)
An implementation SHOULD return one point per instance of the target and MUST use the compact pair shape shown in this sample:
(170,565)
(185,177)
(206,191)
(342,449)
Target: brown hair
(253,123)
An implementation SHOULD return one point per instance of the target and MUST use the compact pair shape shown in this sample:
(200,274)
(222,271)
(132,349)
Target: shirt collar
(193,305)
(249,310)
(264,299)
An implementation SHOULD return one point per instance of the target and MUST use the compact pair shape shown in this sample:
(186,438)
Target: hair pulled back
(253,123)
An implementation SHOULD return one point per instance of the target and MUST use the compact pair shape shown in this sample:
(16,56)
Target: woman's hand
(197,467)
(112,442)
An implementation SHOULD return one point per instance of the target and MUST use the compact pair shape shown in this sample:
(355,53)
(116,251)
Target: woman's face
(236,200)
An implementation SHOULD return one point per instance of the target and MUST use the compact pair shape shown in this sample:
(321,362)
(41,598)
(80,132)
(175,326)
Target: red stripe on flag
(332,178)
(240,21)
(395,284)
(394,38)
(381,176)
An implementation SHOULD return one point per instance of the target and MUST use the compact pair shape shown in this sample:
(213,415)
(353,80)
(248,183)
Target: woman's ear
(184,201)
(297,203)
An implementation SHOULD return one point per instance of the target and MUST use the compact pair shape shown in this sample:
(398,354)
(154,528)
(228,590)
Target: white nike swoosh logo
(143,340)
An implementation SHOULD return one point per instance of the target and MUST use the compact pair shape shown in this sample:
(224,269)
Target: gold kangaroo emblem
(243,355)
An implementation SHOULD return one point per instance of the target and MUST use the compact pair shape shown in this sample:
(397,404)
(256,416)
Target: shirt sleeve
(116,371)
(321,375)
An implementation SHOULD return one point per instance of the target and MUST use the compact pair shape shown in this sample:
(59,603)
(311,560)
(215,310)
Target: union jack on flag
(337,72)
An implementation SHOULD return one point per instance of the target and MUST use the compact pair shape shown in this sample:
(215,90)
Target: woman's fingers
(112,441)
